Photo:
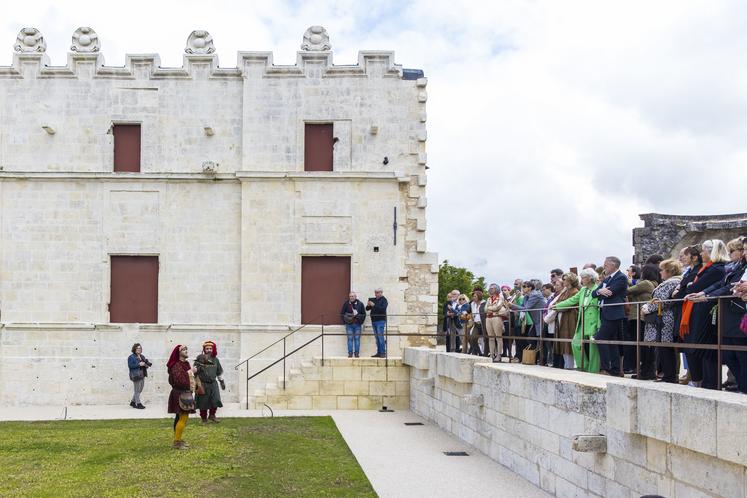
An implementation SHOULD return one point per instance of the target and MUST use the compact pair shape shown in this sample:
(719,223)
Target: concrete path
(399,460)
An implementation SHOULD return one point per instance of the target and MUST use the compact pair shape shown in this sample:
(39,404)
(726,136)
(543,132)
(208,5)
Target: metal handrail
(719,347)
(282,339)
(285,355)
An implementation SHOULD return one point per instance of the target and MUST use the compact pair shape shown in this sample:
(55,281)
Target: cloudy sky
(551,125)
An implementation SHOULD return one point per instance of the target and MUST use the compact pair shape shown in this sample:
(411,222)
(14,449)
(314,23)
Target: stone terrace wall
(661,439)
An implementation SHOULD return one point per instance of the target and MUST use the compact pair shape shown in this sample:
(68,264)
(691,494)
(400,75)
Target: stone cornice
(111,176)
(194,66)
(321,175)
(201,177)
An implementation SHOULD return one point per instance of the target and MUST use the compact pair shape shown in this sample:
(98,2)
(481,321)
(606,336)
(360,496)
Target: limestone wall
(661,439)
(229,241)
(339,384)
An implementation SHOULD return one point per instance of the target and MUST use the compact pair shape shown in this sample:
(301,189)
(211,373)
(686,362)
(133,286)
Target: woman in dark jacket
(731,312)
(138,365)
(696,323)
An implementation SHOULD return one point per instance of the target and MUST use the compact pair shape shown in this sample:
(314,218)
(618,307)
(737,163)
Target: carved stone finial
(199,42)
(316,39)
(85,39)
(30,40)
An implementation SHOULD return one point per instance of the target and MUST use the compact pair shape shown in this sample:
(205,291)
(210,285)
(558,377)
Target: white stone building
(205,220)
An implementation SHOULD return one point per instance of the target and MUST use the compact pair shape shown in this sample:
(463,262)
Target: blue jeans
(353,330)
(378,330)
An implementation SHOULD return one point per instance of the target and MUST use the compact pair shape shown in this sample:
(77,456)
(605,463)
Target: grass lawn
(294,456)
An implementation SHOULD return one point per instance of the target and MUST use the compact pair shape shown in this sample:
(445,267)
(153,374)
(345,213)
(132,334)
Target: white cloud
(552,125)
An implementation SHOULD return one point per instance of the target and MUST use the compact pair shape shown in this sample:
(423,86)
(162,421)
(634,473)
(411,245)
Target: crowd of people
(592,320)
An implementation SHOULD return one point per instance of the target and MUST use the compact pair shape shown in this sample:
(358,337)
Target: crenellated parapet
(200,60)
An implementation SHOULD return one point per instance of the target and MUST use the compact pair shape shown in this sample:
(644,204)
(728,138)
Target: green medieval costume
(209,371)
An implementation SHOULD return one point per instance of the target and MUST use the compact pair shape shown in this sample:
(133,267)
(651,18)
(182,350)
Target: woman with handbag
(138,366)
(181,399)
(659,318)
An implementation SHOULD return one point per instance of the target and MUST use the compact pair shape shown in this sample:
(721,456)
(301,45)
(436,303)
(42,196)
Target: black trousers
(736,360)
(667,357)
(648,363)
(628,351)
(452,330)
(609,354)
(703,368)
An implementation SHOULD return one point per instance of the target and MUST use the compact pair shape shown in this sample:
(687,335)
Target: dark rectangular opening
(134,289)
(325,285)
(413,423)
(456,453)
(126,148)
(318,147)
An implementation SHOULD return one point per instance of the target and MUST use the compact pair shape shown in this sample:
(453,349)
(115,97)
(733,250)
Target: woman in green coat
(586,355)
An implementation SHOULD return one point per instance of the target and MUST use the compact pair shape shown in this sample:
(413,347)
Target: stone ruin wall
(667,234)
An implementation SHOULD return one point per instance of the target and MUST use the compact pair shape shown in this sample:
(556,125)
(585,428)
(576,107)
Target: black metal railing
(518,339)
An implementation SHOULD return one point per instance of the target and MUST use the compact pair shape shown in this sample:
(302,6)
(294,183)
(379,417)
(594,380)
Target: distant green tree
(452,277)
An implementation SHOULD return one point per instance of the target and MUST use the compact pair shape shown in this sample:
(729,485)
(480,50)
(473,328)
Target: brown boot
(214,420)
(179,445)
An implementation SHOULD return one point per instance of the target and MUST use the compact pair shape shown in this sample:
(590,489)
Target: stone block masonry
(222,198)
(340,383)
(636,438)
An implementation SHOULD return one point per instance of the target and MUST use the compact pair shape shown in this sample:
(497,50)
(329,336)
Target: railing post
(322,320)
(247,384)
(283,363)
(386,348)
(638,342)
(583,335)
(718,344)
(540,347)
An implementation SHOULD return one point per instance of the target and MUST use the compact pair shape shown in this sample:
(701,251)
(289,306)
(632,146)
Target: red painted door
(318,147)
(126,148)
(325,285)
(134,289)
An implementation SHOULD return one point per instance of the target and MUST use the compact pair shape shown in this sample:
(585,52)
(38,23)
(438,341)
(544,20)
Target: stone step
(342,361)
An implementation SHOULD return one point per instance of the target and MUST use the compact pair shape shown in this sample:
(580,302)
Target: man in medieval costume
(209,372)
(181,401)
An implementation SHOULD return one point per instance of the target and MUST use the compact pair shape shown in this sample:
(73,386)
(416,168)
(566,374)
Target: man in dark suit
(611,295)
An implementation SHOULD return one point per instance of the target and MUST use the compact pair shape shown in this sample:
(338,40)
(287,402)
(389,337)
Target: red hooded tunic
(178,379)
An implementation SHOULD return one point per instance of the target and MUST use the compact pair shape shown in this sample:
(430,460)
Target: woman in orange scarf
(696,325)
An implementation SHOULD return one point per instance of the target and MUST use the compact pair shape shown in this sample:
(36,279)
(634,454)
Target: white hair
(378,289)
(589,273)
(717,250)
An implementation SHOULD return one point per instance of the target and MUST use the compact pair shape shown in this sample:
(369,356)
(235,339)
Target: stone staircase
(341,384)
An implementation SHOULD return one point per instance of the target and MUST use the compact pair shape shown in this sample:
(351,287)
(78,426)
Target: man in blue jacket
(377,305)
(353,315)
(611,295)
